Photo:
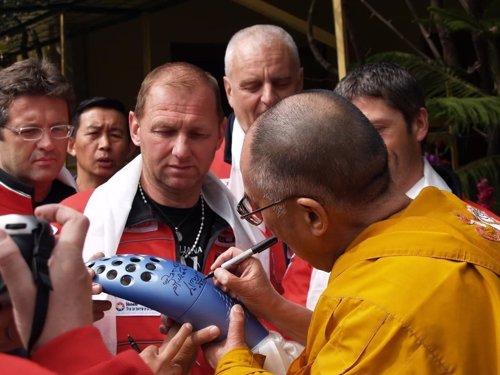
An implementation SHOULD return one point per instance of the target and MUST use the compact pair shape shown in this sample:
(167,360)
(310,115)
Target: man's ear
(71,147)
(134,129)
(420,124)
(314,215)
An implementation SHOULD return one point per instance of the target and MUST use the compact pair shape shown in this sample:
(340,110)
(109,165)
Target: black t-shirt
(191,237)
(213,223)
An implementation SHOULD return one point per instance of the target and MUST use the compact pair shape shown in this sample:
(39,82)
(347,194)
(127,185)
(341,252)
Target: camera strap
(41,305)
(41,277)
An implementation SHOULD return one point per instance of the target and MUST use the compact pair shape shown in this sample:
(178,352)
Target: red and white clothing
(108,208)
(79,351)
(17,197)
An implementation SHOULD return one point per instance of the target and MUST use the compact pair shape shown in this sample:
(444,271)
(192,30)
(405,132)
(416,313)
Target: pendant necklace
(177,232)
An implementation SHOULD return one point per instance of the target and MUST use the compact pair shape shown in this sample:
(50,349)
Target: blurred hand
(178,351)
(70,300)
(9,338)
(98,309)
(98,306)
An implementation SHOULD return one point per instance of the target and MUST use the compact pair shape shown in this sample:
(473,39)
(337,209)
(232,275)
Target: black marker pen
(261,246)
(133,344)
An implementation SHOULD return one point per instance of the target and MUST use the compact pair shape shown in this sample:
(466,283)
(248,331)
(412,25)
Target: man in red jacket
(164,202)
(68,343)
(35,103)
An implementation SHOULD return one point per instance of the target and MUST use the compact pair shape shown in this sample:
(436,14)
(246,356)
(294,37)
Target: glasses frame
(19,131)
(250,216)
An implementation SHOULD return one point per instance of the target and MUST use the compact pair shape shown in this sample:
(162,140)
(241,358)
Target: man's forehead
(275,51)
(179,95)
(27,107)
(98,111)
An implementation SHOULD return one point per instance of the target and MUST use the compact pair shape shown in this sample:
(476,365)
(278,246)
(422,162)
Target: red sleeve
(277,264)
(78,201)
(82,352)
(12,365)
(297,280)
(219,167)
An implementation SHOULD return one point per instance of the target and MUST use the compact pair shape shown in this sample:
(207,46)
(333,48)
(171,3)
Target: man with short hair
(35,105)
(262,66)
(393,101)
(407,276)
(101,142)
(165,202)
(35,102)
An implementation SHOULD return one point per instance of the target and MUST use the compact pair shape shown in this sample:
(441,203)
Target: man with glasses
(35,104)
(414,285)
(35,101)
(254,216)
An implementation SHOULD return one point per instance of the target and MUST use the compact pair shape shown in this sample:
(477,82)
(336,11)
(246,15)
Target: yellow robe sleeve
(241,361)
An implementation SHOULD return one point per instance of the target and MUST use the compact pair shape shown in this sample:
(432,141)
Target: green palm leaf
(435,79)
(462,113)
(474,171)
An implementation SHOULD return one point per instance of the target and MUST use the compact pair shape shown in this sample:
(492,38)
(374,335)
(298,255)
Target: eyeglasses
(32,133)
(254,217)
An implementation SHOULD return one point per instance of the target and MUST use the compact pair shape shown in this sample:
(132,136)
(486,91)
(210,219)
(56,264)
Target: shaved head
(302,146)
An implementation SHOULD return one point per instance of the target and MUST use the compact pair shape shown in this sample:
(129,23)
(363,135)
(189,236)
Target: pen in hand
(133,344)
(261,246)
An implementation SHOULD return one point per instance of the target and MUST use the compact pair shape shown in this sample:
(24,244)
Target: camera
(35,240)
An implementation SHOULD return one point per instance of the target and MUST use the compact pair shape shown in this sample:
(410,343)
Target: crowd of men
(380,268)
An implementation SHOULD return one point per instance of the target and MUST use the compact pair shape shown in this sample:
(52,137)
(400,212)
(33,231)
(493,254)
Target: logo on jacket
(225,238)
(120,306)
(485,225)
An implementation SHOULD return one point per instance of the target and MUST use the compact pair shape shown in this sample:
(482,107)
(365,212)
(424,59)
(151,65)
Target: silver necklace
(177,232)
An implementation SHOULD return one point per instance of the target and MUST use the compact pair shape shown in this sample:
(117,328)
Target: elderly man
(408,277)
(101,142)
(164,202)
(35,105)
(262,66)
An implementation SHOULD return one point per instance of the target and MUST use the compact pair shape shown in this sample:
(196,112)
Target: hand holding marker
(261,246)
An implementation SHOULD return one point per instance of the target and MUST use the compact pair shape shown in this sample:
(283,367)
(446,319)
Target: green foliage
(457,20)
(435,79)
(465,98)
(459,107)
(459,114)
(474,171)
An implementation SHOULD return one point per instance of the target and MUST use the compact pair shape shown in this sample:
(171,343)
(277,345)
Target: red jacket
(77,352)
(145,235)
(17,198)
